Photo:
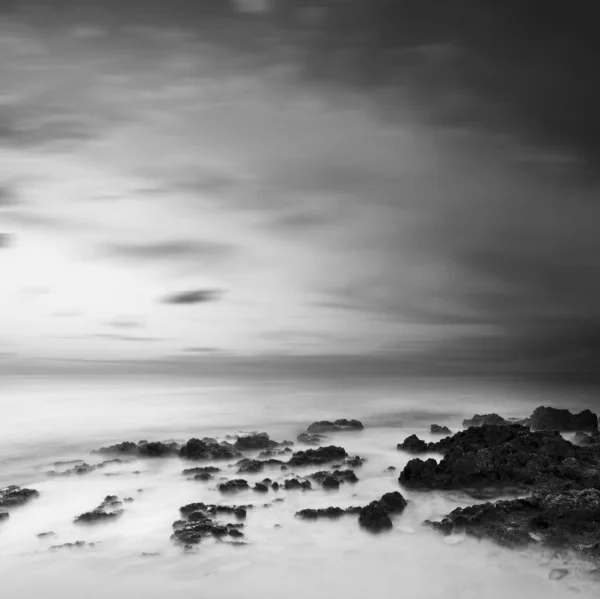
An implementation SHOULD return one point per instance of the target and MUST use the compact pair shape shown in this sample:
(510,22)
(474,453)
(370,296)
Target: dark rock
(129,499)
(271,453)
(232,486)
(330,482)
(310,439)
(204,476)
(328,512)
(104,512)
(413,444)
(201,470)
(339,476)
(294,483)
(261,488)
(75,545)
(321,455)
(208,449)
(199,523)
(275,486)
(436,429)
(45,535)
(78,469)
(342,424)
(355,461)
(562,420)
(393,502)
(14,496)
(375,517)
(157,449)
(391,468)
(481,419)
(247,465)
(126,447)
(255,441)
(568,520)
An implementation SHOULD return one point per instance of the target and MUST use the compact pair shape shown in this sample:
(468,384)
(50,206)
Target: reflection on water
(295,559)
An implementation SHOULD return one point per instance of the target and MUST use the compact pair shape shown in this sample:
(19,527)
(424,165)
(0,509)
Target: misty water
(45,421)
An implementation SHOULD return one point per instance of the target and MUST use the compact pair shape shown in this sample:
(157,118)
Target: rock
(355,461)
(204,476)
(247,465)
(587,439)
(328,512)
(436,429)
(45,535)
(128,499)
(342,424)
(14,496)
(104,512)
(562,420)
(201,470)
(310,439)
(375,517)
(330,482)
(294,483)
(261,488)
(254,441)
(321,455)
(232,486)
(568,520)
(75,545)
(126,447)
(413,444)
(78,470)
(208,449)
(157,449)
(275,486)
(391,468)
(393,502)
(199,522)
(481,419)
(270,453)
(333,479)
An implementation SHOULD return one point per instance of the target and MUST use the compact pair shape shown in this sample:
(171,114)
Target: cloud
(170,250)
(8,196)
(197,296)
(116,337)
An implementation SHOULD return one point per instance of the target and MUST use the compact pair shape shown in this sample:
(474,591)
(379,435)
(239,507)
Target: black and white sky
(187,179)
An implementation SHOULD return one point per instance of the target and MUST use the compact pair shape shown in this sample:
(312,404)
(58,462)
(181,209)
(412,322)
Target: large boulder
(562,420)
(413,444)
(482,419)
(393,502)
(247,465)
(255,441)
(232,486)
(208,449)
(436,429)
(374,517)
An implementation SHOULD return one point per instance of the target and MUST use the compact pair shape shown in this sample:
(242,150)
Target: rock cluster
(562,420)
(436,429)
(232,486)
(14,496)
(108,510)
(208,449)
(322,455)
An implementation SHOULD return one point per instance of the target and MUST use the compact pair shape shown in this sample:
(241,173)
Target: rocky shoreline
(554,482)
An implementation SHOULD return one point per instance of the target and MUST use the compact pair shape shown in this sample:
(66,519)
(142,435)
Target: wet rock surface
(108,510)
(75,545)
(374,517)
(569,519)
(13,496)
(342,424)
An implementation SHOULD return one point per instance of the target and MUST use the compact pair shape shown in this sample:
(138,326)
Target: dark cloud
(196,296)
(170,250)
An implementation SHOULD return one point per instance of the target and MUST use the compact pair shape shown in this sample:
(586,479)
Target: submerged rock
(45,535)
(204,476)
(247,465)
(208,449)
(294,483)
(375,517)
(201,470)
(436,429)
(104,512)
(260,488)
(335,478)
(310,439)
(322,455)
(342,424)
(199,523)
(13,496)
(232,486)
(562,420)
(75,545)
(587,439)
(568,520)
(327,512)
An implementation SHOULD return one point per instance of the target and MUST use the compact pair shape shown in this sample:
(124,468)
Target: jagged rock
(103,512)
(75,545)
(333,479)
(270,453)
(13,496)
(208,449)
(157,449)
(482,419)
(355,461)
(212,509)
(342,424)
(328,512)
(126,447)
(321,455)
(255,441)
(562,420)
(436,429)
(375,517)
(247,465)
(567,520)
(294,483)
(232,486)
(201,470)
(199,523)
(261,488)
(413,444)
(587,439)
(503,456)
(310,439)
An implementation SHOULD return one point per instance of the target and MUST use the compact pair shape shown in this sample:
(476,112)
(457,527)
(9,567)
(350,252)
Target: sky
(191,181)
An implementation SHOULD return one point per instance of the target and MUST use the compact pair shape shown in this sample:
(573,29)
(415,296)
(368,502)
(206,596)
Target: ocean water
(44,421)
